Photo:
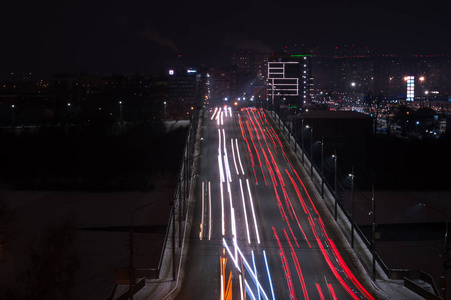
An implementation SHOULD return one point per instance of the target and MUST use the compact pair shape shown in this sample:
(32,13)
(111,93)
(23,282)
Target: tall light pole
(165,110)
(311,150)
(335,182)
(131,246)
(373,235)
(120,110)
(322,166)
(445,250)
(352,207)
(353,91)
(12,120)
(302,139)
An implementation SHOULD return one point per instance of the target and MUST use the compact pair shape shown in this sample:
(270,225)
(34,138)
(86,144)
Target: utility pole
(352,207)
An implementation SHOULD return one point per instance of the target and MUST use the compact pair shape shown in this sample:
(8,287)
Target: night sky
(45,37)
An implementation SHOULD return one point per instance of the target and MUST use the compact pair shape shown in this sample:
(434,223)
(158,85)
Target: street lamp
(164,110)
(311,150)
(322,166)
(120,110)
(352,207)
(335,182)
(12,110)
(353,91)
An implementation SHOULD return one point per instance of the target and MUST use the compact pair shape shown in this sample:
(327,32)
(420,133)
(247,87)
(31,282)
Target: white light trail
(248,289)
(203,212)
(254,277)
(222,208)
(209,211)
(227,167)
(234,232)
(253,211)
(234,159)
(245,213)
(269,275)
(222,118)
(230,254)
(214,113)
(222,287)
(241,287)
(219,140)
(221,171)
(239,157)
(224,139)
(255,270)
(230,111)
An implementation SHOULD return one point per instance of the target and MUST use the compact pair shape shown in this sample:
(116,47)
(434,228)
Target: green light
(301,55)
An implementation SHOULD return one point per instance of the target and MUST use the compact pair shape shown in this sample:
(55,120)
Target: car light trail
(254,277)
(255,271)
(297,265)
(239,157)
(241,287)
(245,213)
(269,275)
(221,170)
(214,113)
(332,292)
(230,253)
(253,212)
(222,208)
(248,289)
(234,159)
(227,167)
(320,292)
(203,212)
(209,211)
(286,269)
(234,232)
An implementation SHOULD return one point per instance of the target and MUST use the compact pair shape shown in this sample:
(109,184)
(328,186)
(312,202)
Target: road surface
(256,233)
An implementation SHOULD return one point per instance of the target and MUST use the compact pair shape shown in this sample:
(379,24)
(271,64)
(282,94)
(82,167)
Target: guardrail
(330,200)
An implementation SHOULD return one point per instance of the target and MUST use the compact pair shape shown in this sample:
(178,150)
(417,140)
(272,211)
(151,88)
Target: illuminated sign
(410,87)
(191,71)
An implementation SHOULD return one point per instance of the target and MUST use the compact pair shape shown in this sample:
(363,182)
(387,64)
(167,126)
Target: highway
(256,233)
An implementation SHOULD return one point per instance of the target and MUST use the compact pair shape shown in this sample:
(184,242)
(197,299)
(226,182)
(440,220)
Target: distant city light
(171,72)
(410,80)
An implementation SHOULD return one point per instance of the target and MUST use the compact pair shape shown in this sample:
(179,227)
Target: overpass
(249,222)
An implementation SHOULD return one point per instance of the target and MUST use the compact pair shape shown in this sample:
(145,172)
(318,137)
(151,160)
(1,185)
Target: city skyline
(50,37)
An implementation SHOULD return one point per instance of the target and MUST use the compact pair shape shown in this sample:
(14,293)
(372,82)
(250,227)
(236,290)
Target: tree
(53,265)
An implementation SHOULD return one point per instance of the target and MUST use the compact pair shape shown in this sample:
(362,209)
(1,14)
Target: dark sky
(145,36)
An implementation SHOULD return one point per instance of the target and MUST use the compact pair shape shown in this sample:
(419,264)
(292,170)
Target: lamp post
(311,150)
(12,119)
(353,91)
(352,207)
(335,182)
(131,246)
(165,110)
(120,110)
(322,166)
(445,250)
(302,140)
(373,235)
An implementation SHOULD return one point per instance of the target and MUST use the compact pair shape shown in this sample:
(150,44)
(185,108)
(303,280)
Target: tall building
(289,79)
(184,85)
(222,84)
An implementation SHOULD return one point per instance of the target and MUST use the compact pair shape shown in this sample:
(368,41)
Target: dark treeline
(91,158)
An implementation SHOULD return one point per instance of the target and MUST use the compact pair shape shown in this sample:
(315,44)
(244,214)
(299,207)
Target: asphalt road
(256,232)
